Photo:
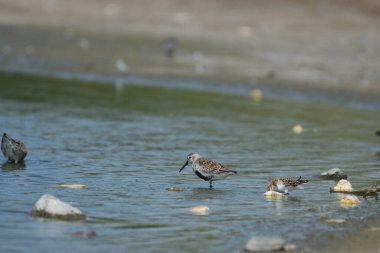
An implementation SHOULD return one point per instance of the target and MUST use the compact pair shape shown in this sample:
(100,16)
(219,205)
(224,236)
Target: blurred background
(332,45)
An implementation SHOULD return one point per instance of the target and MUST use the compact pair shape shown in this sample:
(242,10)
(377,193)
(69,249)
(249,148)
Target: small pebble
(343,186)
(88,234)
(274,194)
(312,209)
(349,200)
(337,221)
(121,65)
(78,234)
(91,234)
(174,189)
(262,243)
(297,129)
(73,186)
(256,94)
(290,247)
(199,210)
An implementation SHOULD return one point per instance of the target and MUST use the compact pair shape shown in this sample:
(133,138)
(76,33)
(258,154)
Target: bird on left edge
(14,150)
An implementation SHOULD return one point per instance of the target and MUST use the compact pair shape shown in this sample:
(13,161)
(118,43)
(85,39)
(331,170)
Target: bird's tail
(230,172)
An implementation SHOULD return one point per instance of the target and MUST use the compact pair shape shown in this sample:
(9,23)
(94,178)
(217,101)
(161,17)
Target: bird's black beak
(186,163)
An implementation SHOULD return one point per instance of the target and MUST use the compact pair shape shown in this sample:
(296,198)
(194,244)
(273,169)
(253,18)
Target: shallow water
(127,143)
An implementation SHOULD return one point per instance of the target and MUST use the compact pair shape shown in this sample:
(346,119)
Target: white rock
(256,94)
(343,186)
(49,206)
(297,129)
(73,186)
(84,43)
(121,65)
(331,172)
(349,200)
(290,247)
(334,173)
(262,243)
(337,221)
(199,210)
(274,194)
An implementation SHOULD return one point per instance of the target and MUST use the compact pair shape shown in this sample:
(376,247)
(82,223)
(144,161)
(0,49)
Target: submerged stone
(333,174)
(336,221)
(297,129)
(256,94)
(73,186)
(343,186)
(263,243)
(349,201)
(274,195)
(48,206)
(84,234)
(174,189)
(199,210)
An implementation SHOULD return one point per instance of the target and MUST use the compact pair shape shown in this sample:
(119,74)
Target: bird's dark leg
(210,184)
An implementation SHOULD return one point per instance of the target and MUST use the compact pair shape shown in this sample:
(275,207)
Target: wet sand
(328,45)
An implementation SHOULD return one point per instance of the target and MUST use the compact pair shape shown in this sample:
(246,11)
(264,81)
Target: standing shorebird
(169,47)
(207,169)
(279,184)
(14,150)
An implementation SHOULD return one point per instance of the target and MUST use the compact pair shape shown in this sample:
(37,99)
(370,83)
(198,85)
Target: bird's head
(191,158)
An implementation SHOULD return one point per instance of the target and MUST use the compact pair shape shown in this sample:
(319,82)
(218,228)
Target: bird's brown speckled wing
(292,182)
(210,166)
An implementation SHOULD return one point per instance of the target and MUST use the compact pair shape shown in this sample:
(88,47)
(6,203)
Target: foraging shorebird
(169,46)
(279,184)
(207,169)
(14,150)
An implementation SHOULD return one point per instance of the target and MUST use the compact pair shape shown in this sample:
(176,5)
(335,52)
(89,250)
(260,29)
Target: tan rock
(199,210)
(73,186)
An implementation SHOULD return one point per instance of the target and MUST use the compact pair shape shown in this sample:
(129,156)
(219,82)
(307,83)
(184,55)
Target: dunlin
(280,184)
(207,169)
(14,150)
(169,46)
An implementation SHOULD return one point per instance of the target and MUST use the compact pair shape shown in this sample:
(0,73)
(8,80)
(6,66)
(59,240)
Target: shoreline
(270,90)
(322,45)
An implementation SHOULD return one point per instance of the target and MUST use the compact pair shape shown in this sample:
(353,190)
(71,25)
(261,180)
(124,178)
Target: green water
(127,143)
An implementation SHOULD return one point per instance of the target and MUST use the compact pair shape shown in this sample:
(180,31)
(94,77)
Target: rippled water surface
(127,143)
